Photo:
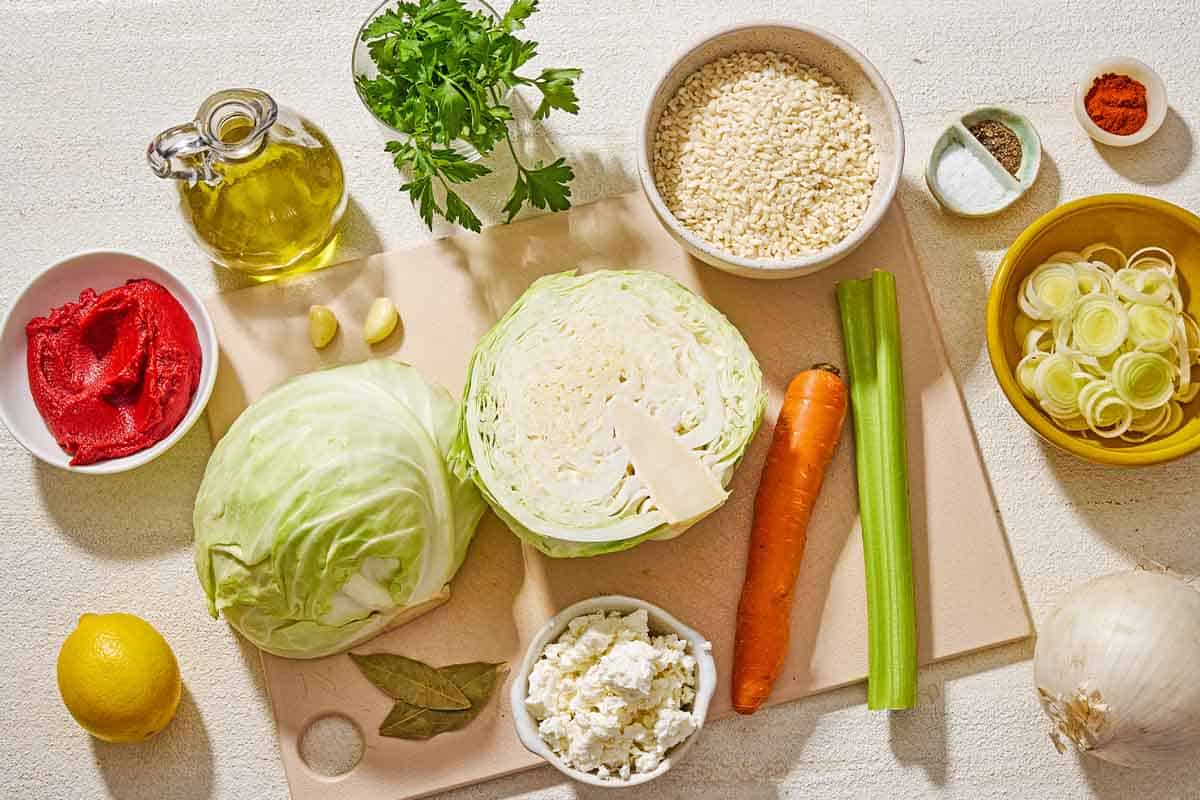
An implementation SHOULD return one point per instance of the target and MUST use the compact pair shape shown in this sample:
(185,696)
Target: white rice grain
(764,157)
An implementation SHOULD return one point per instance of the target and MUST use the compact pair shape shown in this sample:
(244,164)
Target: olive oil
(261,187)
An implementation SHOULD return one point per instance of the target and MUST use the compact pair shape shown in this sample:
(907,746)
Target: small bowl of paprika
(1121,102)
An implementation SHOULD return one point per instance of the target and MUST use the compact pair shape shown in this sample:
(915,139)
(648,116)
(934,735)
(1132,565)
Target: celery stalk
(871,335)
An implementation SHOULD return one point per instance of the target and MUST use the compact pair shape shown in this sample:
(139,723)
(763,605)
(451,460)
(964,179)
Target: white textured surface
(83,87)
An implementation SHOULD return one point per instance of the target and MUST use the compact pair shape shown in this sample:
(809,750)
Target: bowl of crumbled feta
(613,691)
(771,150)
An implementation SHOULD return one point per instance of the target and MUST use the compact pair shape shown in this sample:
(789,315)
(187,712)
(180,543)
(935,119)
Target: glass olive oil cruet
(260,186)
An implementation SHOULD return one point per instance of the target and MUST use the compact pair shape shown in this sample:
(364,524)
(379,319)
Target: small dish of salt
(984,162)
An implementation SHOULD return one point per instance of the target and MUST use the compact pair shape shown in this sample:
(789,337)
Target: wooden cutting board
(449,293)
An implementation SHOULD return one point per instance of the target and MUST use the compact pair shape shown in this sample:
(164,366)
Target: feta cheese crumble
(612,699)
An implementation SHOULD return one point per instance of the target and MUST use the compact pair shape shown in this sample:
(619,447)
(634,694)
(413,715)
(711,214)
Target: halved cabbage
(328,508)
(594,393)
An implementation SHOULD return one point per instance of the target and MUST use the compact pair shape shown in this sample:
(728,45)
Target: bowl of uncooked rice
(771,151)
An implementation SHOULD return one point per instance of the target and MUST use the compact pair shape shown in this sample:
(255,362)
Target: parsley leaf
(518,12)
(549,186)
(460,212)
(443,70)
(558,91)
(516,199)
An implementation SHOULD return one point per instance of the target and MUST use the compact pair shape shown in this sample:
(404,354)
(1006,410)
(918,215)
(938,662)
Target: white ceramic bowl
(837,59)
(660,622)
(1156,100)
(62,283)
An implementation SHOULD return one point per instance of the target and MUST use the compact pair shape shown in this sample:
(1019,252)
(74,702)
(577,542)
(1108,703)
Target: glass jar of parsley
(260,186)
(438,76)
(364,66)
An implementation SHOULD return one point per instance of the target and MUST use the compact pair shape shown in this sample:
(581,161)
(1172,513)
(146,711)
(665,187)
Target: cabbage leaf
(328,508)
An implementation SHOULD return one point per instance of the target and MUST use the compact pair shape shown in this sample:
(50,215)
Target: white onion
(1116,669)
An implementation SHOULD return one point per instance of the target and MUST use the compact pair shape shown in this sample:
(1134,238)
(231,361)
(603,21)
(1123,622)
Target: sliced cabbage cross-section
(580,367)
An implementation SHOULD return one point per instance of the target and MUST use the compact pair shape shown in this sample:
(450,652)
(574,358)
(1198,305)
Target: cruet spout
(229,126)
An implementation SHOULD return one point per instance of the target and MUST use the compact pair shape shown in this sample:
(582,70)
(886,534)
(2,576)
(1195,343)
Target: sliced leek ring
(1026,369)
(1037,340)
(1089,254)
(1175,421)
(1100,325)
(1094,277)
(1185,357)
(1106,346)
(1150,421)
(1149,286)
(1057,383)
(1107,414)
(1143,380)
(1071,423)
(1050,292)
(1152,258)
(1153,327)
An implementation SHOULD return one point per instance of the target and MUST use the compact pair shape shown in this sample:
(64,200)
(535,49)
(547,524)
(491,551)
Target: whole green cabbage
(540,431)
(328,508)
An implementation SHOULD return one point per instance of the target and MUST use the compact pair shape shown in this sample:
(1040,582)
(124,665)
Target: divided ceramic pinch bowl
(958,133)
(1129,222)
(837,59)
(62,283)
(660,623)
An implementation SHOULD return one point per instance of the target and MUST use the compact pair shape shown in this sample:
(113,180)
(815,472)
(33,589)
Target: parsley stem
(508,139)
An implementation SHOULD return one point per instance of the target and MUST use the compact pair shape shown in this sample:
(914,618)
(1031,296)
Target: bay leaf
(476,679)
(406,721)
(412,682)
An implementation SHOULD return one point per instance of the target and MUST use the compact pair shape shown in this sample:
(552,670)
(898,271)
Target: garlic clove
(382,319)
(322,326)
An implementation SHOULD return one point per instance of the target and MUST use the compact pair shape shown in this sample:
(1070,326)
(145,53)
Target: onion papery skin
(1116,669)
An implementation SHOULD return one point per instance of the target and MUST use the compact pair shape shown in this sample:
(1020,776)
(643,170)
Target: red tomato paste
(113,373)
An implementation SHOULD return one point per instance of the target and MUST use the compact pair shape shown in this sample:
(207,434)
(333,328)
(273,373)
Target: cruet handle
(172,154)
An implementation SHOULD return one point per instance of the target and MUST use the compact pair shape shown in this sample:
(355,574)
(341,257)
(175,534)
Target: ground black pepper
(1000,141)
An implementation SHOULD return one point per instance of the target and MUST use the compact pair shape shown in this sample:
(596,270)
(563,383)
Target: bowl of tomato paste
(108,359)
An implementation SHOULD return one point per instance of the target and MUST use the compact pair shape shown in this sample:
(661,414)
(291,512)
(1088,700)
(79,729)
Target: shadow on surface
(1111,782)
(1160,159)
(252,659)
(137,514)
(533,782)
(949,251)
(1113,501)
(177,763)
(595,177)
(918,736)
(359,237)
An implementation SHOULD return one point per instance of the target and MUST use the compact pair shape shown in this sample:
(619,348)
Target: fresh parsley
(442,71)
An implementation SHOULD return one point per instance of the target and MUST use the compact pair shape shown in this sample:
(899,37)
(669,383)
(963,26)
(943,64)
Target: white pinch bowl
(1156,100)
(837,59)
(61,283)
(660,623)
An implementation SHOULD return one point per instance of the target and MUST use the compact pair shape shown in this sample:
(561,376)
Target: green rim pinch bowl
(957,133)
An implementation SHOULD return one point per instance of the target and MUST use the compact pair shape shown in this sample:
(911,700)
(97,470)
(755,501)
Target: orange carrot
(806,435)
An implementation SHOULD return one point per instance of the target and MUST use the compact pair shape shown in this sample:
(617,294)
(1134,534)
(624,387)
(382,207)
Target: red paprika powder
(1117,104)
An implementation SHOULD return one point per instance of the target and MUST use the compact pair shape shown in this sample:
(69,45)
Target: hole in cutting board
(331,745)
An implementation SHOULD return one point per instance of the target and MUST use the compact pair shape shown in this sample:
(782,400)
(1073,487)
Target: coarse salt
(966,181)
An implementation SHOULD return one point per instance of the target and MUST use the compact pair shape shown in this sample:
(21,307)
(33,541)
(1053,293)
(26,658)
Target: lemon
(118,677)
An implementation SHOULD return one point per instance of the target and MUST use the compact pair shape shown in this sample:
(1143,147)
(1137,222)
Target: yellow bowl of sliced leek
(1091,329)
